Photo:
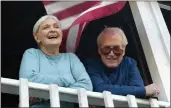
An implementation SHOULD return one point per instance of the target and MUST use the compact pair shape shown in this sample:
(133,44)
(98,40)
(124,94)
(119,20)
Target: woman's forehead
(50,21)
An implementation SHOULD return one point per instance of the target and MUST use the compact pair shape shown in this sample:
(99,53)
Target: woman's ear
(36,37)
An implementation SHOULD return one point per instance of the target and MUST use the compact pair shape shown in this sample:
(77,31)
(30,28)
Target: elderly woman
(47,65)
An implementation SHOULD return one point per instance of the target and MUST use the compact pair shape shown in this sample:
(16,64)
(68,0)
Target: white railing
(24,89)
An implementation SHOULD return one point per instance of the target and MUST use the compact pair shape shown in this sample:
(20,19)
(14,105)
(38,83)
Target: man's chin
(114,65)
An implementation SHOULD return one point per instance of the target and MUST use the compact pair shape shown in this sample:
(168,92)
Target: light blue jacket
(64,69)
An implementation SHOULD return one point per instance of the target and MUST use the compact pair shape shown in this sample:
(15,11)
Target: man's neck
(51,51)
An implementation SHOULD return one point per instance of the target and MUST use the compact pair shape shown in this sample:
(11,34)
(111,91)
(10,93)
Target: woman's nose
(52,28)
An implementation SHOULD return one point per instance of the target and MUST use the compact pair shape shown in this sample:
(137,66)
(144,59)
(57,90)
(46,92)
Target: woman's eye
(45,27)
(56,26)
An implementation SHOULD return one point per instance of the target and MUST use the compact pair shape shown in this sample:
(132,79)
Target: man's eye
(117,48)
(106,48)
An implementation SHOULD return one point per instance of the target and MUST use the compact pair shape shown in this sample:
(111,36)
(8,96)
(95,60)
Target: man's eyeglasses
(116,50)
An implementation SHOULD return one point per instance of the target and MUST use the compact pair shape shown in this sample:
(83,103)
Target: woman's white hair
(41,20)
(115,30)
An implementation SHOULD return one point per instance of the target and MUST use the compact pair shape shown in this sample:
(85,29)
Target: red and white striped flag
(75,15)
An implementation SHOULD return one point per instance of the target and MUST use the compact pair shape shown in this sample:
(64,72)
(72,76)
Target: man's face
(49,33)
(111,50)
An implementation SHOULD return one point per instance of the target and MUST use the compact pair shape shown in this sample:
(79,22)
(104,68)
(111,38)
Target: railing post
(54,95)
(82,98)
(153,102)
(23,93)
(132,101)
(108,99)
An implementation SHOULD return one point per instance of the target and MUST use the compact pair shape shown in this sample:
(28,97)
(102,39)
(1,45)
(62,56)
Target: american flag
(75,15)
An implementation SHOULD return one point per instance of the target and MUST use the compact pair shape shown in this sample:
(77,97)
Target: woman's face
(49,33)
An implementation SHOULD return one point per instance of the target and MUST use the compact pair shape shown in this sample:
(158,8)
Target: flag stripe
(102,11)
(67,23)
(71,39)
(81,27)
(49,2)
(64,38)
(60,6)
(75,10)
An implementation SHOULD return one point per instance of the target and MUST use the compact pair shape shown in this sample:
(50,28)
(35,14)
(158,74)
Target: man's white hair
(41,20)
(115,30)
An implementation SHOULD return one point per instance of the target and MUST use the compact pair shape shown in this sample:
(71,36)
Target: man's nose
(111,53)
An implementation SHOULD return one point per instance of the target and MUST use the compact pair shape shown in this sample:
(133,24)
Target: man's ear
(124,51)
(36,37)
(99,51)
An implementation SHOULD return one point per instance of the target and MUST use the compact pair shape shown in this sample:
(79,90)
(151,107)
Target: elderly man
(115,72)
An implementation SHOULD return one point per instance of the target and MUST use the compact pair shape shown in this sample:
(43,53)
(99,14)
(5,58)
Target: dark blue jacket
(123,80)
